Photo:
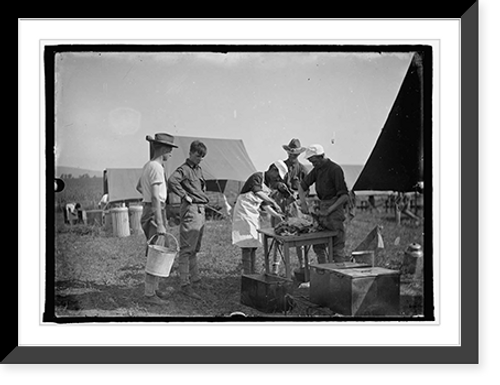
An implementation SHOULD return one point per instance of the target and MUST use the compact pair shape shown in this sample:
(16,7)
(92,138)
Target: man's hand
(188,199)
(277,208)
(161,229)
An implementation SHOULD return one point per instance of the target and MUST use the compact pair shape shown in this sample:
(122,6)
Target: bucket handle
(156,236)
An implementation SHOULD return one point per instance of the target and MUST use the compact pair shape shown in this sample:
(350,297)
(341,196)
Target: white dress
(246,219)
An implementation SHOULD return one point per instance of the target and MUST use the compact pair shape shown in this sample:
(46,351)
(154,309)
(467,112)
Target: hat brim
(299,150)
(150,139)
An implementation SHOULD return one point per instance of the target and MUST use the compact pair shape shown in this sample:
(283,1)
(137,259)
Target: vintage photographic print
(239,183)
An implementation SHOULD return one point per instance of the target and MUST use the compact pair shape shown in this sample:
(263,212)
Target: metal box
(357,291)
(265,292)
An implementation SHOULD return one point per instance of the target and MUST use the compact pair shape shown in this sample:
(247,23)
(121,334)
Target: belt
(162,204)
(194,203)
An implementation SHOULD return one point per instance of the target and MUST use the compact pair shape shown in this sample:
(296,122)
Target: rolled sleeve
(308,180)
(174,183)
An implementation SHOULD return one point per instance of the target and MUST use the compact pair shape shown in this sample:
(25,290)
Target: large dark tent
(397,160)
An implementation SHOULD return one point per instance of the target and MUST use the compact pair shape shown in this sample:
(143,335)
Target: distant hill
(76,172)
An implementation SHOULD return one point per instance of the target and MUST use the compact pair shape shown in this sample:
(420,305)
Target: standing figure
(153,188)
(286,197)
(333,196)
(254,197)
(188,183)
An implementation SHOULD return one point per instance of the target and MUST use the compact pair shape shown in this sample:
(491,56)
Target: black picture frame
(467,352)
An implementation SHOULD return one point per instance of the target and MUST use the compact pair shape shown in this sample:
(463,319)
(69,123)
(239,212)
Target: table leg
(330,249)
(286,248)
(306,264)
(266,253)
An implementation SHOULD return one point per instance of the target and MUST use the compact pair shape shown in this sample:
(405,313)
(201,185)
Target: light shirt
(153,173)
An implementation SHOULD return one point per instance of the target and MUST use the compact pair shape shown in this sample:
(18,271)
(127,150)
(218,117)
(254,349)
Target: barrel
(120,222)
(135,214)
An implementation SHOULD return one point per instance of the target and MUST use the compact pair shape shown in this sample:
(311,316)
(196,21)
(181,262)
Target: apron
(246,219)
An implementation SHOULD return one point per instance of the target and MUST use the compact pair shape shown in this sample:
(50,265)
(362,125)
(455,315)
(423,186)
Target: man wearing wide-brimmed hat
(296,171)
(153,188)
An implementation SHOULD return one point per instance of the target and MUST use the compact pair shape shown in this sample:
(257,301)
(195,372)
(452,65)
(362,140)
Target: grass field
(98,275)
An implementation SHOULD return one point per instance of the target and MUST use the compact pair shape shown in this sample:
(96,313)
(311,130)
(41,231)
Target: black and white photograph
(251,191)
(239,183)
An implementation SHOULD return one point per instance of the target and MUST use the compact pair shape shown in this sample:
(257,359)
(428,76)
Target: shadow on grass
(222,294)
(78,296)
(220,298)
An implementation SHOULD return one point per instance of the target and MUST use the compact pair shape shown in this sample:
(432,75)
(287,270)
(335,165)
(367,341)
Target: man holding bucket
(153,187)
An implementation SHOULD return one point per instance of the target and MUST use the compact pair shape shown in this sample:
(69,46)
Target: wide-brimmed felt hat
(162,138)
(294,147)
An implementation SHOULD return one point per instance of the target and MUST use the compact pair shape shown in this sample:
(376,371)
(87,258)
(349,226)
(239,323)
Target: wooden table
(299,240)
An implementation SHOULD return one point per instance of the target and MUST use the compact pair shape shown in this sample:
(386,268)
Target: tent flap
(226,159)
(396,162)
(120,184)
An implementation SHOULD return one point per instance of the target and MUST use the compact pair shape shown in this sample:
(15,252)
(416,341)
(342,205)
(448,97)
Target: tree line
(82,176)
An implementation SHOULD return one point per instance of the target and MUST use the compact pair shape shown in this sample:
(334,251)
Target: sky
(107,102)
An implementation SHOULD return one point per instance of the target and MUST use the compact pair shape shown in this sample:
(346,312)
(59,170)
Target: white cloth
(246,221)
(104,200)
(153,173)
(71,208)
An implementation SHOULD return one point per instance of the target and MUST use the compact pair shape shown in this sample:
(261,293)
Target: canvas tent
(120,184)
(396,161)
(226,160)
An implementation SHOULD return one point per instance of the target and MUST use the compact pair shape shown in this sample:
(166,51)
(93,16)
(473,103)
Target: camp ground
(99,261)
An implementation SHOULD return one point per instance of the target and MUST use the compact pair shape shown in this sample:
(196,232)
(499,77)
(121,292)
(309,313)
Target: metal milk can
(413,259)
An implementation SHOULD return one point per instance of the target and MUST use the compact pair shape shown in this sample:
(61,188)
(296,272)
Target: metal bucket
(161,258)
(413,260)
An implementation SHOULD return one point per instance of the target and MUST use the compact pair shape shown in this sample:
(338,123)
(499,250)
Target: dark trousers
(191,234)
(332,222)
